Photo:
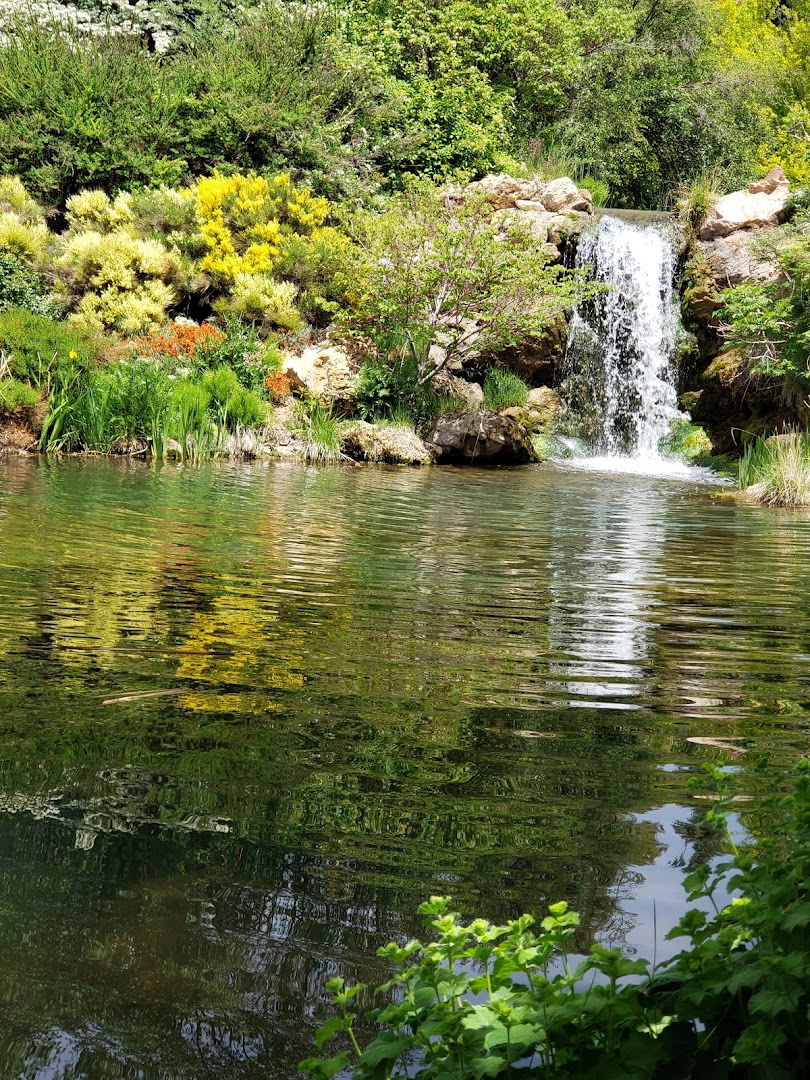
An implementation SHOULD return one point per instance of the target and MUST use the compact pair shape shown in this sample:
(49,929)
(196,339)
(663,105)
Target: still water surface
(251,716)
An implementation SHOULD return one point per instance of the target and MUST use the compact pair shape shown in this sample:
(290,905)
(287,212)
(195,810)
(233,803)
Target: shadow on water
(251,716)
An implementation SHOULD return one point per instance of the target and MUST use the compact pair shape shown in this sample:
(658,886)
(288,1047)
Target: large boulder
(394,444)
(478,437)
(762,203)
(328,371)
(563,195)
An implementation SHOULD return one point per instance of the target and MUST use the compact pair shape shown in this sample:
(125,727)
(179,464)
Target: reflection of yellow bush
(225,647)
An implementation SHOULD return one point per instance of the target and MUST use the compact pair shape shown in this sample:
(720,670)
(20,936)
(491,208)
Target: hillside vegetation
(352,98)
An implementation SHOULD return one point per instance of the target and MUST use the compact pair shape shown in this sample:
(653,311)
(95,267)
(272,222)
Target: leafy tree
(442,285)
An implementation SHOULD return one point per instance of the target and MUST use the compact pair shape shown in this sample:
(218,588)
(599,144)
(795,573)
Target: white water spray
(620,379)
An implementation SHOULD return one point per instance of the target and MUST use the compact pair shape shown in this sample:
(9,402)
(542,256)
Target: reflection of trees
(373,706)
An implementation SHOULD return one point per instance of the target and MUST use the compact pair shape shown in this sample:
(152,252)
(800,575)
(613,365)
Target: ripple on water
(250,716)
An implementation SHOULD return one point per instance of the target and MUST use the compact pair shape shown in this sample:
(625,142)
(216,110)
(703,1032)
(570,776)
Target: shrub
(503,389)
(189,422)
(21,287)
(39,346)
(260,300)
(116,281)
(179,341)
(15,394)
(441,286)
(497,1001)
(241,348)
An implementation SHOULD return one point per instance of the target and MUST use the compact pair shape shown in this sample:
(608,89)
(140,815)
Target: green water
(374,685)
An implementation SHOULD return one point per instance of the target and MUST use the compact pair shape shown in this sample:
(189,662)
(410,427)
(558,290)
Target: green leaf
(330,1028)
(325,1068)
(386,1047)
(771,1000)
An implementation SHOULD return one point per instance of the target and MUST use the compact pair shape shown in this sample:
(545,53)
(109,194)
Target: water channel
(250,716)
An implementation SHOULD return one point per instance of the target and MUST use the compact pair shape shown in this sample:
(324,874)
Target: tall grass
(778,469)
(503,389)
(320,431)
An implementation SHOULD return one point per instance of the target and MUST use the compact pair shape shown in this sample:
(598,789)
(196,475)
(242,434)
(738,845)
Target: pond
(251,716)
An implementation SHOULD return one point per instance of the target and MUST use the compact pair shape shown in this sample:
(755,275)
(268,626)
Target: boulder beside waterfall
(760,204)
(479,437)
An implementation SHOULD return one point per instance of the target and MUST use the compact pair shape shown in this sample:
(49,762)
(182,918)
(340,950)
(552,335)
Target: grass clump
(777,469)
(503,389)
(320,431)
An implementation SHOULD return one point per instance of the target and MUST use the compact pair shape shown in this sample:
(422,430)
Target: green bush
(272,89)
(38,345)
(481,1000)
(320,432)
(244,352)
(503,389)
(779,467)
(15,394)
(21,287)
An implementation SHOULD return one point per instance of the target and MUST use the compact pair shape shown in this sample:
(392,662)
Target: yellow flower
(73,355)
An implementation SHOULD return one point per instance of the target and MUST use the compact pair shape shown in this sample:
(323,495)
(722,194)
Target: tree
(443,284)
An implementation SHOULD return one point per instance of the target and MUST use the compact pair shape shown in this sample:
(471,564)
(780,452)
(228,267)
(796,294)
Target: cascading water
(620,378)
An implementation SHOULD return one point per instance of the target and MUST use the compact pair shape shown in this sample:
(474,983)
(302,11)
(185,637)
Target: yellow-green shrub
(119,282)
(15,199)
(27,241)
(258,298)
(95,210)
(23,232)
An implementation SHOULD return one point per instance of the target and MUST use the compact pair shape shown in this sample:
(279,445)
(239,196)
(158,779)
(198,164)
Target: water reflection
(250,717)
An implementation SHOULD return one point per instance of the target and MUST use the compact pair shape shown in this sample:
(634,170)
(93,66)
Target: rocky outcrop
(538,358)
(448,385)
(719,264)
(761,204)
(478,437)
(394,444)
(533,196)
(328,371)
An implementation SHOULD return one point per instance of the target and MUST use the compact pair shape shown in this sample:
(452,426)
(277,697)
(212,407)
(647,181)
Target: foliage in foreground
(498,1001)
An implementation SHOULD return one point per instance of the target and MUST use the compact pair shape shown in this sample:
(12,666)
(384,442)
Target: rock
(718,265)
(538,358)
(450,385)
(481,438)
(547,403)
(328,371)
(762,203)
(172,449)
(732,260)
(396,444)
(563,194)
(503,191)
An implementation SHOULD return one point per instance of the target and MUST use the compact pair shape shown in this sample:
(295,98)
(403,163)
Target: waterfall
(619,385)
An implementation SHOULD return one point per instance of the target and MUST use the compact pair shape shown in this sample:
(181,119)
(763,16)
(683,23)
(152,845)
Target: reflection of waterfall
(620,380)
(601,598)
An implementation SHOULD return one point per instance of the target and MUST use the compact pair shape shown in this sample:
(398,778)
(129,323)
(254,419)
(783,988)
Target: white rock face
(763,203)
(326,370)
(562,194)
